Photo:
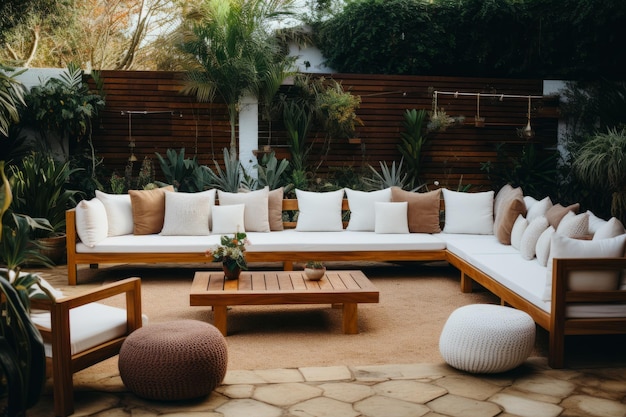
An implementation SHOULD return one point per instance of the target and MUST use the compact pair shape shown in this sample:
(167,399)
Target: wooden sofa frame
(555,323)
(287,257)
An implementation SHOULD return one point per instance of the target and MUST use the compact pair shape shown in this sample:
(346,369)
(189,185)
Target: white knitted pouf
(486,338)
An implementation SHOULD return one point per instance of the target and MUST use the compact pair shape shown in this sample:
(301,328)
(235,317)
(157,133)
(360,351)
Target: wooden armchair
(80,332)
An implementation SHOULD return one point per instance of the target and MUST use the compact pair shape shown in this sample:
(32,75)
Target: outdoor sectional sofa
(562,268)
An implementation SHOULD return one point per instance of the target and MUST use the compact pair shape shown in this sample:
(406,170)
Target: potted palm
(314,270)
(601,163)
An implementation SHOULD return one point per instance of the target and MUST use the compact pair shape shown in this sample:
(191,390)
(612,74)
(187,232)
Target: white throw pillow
(188,214)
(119,213)
(574,225)
(595,222)
(613,227)
(91,222)
(540,208)
(256,214)
(391,217)
(542,248)
(530,237)
(470,213)
(566,247)
(228,219)
(362,210)
(517,232)
(319,212)
(529,201)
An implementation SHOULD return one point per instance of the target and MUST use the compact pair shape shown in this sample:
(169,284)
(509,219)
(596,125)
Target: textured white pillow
(517,232)
(362,212)
(188,214)
(91,222)
(543,246)
(595,222)
(613,227)
(574,225)
(256,214)
(319,212)
(470,213)
(228,219)
(119,213)
(566,247)
(530,237)
(529,201)
(391,217)
(540,208)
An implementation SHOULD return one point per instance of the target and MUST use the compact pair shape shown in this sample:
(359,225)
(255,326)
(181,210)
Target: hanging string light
(528,131)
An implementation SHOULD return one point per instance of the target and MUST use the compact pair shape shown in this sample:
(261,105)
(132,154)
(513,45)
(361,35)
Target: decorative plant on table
(314,270)
(231,252)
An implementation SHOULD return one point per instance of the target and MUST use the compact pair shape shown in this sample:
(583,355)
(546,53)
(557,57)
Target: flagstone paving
(410,390)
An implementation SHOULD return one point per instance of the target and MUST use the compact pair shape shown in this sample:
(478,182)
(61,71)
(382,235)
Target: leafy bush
(183,173)
(564,39)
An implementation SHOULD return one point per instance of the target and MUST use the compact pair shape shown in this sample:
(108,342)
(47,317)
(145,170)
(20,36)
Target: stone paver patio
(410,390)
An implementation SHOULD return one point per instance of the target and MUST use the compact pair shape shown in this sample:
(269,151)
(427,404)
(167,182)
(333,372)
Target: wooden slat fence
(203,129)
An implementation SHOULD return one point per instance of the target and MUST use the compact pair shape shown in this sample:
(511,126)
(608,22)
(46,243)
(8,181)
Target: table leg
(219,318)
(350,318)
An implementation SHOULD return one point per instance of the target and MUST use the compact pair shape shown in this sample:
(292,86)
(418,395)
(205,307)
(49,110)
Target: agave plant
(390,177)
(601,163)
(229,178)
(271,172)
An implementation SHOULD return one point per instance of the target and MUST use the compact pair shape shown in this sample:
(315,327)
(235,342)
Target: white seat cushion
(90,325)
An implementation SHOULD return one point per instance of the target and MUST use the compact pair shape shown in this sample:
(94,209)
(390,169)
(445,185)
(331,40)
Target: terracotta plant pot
(231,273)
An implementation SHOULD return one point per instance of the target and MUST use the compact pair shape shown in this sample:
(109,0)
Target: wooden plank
(204,131)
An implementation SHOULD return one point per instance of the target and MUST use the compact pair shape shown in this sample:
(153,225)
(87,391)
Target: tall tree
(103,34)
(231,49)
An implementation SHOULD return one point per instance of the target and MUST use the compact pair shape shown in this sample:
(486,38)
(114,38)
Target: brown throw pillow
(557,212)
(423,209)
(509,204)
(148,209)
(275,209)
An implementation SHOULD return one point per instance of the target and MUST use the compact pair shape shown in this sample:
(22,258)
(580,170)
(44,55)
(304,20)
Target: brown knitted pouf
(175,360)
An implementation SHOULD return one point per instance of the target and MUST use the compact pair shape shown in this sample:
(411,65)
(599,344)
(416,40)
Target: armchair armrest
(59,332)
(64,362)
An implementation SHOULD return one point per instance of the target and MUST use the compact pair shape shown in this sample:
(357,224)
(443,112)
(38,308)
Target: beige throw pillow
(148,209)
(256,214)
(423,209)
(509,204)
(557,212)
(188,214)
(275,209)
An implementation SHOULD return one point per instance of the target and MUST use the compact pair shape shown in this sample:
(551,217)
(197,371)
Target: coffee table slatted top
(283,287)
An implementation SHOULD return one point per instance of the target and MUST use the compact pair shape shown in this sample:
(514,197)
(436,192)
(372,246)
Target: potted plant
(39,191)
(231,253)
(601,163)
(314,270)
(22,357)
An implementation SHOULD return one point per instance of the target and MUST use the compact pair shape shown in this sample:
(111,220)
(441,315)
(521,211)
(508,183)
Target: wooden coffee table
(347,288)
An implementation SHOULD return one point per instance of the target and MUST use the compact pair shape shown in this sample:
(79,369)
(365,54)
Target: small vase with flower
(231,252)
